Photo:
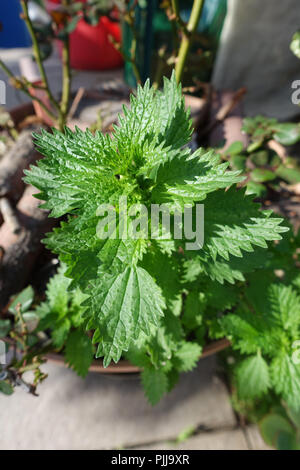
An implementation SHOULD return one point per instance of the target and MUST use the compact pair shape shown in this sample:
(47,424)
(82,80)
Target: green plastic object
(154,30)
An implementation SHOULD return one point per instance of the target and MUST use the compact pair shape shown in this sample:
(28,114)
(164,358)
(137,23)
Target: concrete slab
(108,412)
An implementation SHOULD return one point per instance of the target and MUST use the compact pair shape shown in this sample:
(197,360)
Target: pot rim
(125,367)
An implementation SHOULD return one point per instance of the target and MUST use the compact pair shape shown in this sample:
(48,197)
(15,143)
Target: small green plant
(262,129)
(265,162)
(278,422)
(61,316)
(33,329)
(264,329)
(26,345)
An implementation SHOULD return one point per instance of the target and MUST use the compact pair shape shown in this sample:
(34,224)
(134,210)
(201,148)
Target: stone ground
(111,412)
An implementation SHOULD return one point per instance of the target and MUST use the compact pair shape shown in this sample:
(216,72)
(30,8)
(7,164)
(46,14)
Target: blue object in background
(13,31)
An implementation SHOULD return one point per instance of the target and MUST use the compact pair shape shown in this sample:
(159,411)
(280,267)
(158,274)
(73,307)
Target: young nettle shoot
(133,284)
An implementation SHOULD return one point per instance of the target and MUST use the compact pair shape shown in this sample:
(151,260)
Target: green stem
(130,18)
(66,79)
(175,25)
(187,38)
(175,8)
(13,132)
(159,67)
(133,60)
(37,54)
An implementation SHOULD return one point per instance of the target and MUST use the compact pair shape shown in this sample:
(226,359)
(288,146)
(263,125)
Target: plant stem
(175,7)
(188,38)
(176,19)
(133,58)
(19,84)
(66,80)
(128,58)
(66,85)
(159,67)
(130,19)
(37,54)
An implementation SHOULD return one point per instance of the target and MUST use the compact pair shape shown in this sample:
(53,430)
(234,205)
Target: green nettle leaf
(191,179)
(187,356)
(261,128)
(260,175)
(218,296)
(60,332)
(291,175)
(62,308)
(155,383)
(245,331)
(295,44)
(168,278)
(235,148)
(147,160)
(6,388)
(286,379)
(253,377)
(79,352)
(57,293)
(129,302)
(274,428)
(284,305)
(194,307)
(138,357)
(31,320)
(257,189)
(25,298)
(267,320)
(287,133)
(5,327)
(228,232)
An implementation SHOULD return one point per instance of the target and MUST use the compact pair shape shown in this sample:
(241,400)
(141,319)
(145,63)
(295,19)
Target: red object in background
(90,47)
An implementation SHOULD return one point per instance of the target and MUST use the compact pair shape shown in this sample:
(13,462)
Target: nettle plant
(150,300)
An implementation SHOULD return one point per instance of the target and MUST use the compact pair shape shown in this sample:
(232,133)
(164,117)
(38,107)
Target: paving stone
(219,440)
(103,412)
(91,79)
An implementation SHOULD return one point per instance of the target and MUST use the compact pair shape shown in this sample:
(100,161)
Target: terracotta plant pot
(125,367)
